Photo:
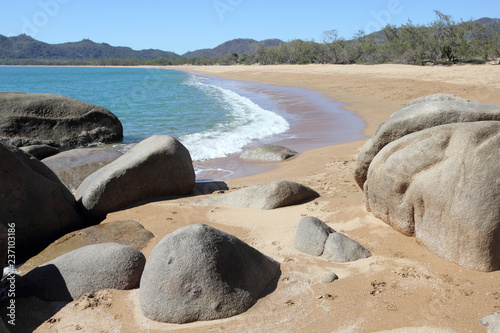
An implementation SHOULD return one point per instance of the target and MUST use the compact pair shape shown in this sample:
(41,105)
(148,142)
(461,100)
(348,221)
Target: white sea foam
(246,122)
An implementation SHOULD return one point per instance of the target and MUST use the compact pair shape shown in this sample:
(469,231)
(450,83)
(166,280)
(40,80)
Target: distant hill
(25,47)
(490,22)
(240,46)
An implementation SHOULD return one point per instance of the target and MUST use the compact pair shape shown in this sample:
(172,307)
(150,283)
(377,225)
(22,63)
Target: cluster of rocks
(431,171)
(316,238)
(211,274)
(43,209)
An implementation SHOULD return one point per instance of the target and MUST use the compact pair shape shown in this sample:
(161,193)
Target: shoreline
(402,287)
(316,120)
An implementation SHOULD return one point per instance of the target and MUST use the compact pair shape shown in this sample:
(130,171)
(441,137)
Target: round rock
(201,273)
(85,270)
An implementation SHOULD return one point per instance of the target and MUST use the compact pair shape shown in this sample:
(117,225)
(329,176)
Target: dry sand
(403,287)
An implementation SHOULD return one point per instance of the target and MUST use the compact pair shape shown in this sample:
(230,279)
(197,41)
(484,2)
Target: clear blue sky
(188,25)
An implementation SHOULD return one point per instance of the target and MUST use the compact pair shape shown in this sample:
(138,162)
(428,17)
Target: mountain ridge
(239,45)
(26,47)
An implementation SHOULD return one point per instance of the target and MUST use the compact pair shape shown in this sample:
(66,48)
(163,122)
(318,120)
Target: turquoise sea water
(209,120)
(214,118)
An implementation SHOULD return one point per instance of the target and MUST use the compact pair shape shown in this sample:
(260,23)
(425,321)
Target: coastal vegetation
(443,41)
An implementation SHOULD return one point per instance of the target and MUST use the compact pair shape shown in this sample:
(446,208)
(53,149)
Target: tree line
(442,41)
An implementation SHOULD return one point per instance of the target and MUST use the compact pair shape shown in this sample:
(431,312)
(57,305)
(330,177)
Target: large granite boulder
(33,198)
(73,166)
(425,112)
(267,153)
(442,186)
(316,238)
(157,166)
(201,273)
(85,270)
(126,232)
(66,121)
(264,196)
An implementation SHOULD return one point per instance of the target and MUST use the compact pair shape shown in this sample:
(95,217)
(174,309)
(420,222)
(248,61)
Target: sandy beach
(402,287)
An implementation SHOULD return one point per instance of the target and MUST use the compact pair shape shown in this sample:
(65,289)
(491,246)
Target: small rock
(492,322)
(329,278)
(336,247)
(268,153)
(311,236)
(264,196)
(340,248)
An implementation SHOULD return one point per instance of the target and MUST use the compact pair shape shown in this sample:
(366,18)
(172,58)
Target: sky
(188,25)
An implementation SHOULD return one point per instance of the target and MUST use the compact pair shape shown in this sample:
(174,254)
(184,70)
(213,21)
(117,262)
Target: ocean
(213,118)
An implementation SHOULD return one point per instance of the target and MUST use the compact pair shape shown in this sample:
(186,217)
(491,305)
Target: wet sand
(316,120)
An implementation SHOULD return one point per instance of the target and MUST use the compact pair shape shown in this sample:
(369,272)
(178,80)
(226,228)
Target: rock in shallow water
(268,153)
(66,121)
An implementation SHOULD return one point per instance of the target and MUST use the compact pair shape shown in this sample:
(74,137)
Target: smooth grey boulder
(201,273)
(157,166)
(40,151)
(33,198)
(442,185)
(492,322)
(264,196)
(316,238)
(73,166)
(340,248)
(268,153)
(66,121)
(311,236)
(126,232)
(421,114)
(85,270)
